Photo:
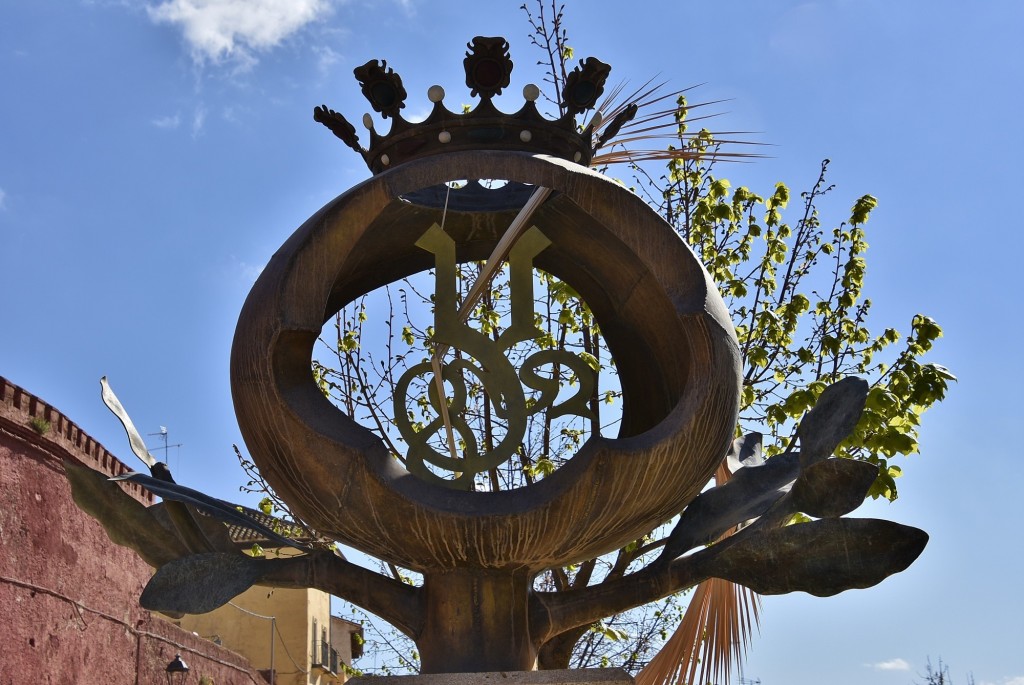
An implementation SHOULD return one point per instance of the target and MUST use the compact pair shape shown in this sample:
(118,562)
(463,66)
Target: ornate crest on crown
(488,70)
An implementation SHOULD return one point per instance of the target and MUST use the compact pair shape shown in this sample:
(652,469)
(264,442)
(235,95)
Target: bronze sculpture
(479,552)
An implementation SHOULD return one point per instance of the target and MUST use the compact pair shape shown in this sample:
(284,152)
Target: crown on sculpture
(488,68)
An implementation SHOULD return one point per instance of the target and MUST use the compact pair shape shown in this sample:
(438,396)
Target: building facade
(69,611)
(288,631)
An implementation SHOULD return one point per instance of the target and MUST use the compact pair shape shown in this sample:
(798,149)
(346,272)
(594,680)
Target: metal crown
(488,68)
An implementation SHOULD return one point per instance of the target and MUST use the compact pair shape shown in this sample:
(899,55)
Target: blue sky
(153,155)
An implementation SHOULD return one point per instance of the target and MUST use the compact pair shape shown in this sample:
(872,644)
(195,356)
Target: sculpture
(479,552)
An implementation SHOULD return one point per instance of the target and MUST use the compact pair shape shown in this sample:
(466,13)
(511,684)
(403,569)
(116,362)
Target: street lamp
(177,671)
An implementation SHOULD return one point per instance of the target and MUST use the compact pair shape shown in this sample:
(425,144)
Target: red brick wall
(69,609)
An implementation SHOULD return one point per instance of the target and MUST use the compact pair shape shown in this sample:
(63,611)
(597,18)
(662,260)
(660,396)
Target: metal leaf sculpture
(224,511)
(127,522)
(200,583)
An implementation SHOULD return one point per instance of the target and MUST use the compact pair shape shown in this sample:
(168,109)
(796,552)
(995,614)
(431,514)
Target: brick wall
(69,609)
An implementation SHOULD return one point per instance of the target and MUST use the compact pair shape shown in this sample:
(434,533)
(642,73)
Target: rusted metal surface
(678,363)
(479,552)
(665,324)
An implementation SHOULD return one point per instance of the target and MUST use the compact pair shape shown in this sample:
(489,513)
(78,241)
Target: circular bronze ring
(663,319)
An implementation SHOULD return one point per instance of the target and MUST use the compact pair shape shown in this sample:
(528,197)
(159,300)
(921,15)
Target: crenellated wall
(62,438)
(69,611)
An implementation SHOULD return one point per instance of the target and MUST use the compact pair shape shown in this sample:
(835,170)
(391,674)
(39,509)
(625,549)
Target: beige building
(285,631)
(288,631)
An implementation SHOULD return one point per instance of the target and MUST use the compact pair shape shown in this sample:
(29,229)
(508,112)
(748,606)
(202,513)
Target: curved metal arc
(286,421)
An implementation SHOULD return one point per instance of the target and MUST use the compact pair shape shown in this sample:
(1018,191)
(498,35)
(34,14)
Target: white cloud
(3,196)
(326,58)
(892,665)
(246,271)
(419,114)
(1016,680)
(167,122)
(232,30)
(198,119)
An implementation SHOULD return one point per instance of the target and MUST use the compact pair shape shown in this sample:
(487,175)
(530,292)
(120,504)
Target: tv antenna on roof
(166,447)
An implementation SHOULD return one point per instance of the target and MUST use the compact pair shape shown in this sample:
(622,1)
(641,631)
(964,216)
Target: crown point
(382,87)
(488,66)
(584,85)
(531,92)
(368,121)
(435,94)
(525,136)
(444,137)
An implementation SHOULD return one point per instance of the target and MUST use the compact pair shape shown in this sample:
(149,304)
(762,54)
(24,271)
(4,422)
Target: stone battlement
(43,425)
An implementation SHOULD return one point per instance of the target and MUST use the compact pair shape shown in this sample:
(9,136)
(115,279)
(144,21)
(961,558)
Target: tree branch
(555,613)
(399,604)
(823,558)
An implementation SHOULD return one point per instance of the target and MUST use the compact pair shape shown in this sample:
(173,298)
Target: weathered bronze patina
(479,552)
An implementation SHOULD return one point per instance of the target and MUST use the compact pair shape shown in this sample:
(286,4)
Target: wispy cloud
(892,665)
(246,271)
(198,120)
(234,30)
(1014,680)
(325,58)
(419,114)
(167,122)
(3,197)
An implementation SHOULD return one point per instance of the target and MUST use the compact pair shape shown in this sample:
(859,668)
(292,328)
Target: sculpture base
(584,676)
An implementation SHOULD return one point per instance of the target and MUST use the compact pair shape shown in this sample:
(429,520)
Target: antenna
(166,447)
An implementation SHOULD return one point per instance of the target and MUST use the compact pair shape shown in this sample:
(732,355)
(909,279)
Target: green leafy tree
(796,292)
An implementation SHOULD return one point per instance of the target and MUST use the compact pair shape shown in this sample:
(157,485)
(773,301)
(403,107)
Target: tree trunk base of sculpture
(476,621)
